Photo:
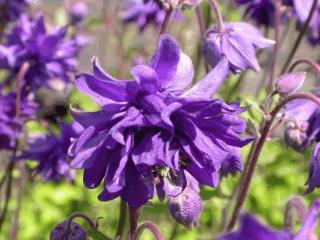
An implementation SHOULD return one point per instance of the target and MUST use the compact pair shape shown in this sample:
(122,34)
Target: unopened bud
(295,135)
(186,207)
(290,83)
(61,232)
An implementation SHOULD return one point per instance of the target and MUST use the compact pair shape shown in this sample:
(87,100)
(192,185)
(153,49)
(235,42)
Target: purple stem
(294,205)
(200,21)
(134,214)
(92,224)
(152,227)
(165,25)
(300,36)
(276,47)
(315,66)
(216,9)
(122,219)
(247,178)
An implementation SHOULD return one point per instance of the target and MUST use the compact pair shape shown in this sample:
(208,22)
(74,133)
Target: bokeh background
(281,171)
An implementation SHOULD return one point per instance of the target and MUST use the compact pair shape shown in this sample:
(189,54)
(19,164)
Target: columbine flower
(238,43)
(143,12)
(251,228)
(10,124)
(290,83)
(13,9)
(60,232)
(302,9)
(51,153)
(78,12)
(51,55)
(262,11)
(151,130)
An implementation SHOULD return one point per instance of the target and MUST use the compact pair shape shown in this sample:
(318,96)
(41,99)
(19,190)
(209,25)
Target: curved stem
(276,47)
(315,66)
(122,219)
(294,205)
(300,36)
(92,224)
(152,227)
(247,178)
(165,25)
(216,9)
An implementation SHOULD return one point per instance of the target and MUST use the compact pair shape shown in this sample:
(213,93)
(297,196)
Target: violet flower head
(238,43)
(150,131)
(51,152)
(261,11)
(302,10)
(143,12)
(314,170)
(251,228)
(10,123)
(13,9)
(78,12)
(60,232)
(51,55)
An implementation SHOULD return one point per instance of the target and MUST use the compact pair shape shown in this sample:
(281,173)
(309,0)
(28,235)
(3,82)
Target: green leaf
(97,235)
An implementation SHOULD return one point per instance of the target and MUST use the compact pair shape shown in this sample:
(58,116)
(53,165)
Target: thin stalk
(92,224)
(122,219)
(165,25)
(276,47)
(201,26)
(200,21)
(315,66)
(247,178)
(300,36)
(150,226)
(134,214)
(215,6)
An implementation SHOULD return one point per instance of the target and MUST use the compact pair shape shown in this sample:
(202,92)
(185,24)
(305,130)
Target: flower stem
(165,25)
(216,9)
(276,47)
(294,205)
(315,66)
(148,225)
(92,224)
(300,36)
(134,214)
(122,219)
(247,177)
(200,21)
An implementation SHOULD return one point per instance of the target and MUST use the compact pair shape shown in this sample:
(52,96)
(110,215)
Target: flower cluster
(151,130)
(51,55)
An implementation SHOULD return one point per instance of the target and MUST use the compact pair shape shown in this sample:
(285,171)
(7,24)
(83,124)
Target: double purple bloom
(152,129)
(51,55)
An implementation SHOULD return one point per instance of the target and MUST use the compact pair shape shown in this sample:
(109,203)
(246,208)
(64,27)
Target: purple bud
(295,135)
(78,12)
(290,83)
(60,232)
(186,207)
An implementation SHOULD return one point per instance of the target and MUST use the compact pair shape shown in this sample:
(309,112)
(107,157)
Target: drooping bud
(295,135)
(290,83)
(60,232)
(78,12)
(186,207)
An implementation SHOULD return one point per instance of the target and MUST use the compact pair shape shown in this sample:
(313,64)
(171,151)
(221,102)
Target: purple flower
(302,9)
(237,43)
(51,55)
(251,228)
(314,170)
(290,83)
(143,12)
(51,153)
(13,9)
(150,130)
(60,232)
(261,11)
(10,124)
(78,12)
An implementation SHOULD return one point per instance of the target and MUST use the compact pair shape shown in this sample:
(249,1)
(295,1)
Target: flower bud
(60,232)
(295,135)
(290,83)
(186,207)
